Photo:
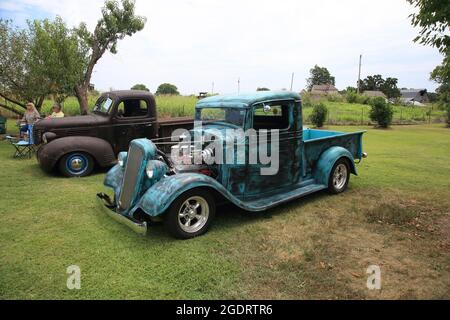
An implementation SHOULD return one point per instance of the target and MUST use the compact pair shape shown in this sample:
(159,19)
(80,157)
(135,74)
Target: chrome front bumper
(108,207)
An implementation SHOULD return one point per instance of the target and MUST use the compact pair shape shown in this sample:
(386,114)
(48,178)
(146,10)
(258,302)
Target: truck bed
(168,125)
(317,141)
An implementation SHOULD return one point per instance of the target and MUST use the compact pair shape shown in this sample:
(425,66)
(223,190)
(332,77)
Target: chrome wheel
(340,176)
(193,214)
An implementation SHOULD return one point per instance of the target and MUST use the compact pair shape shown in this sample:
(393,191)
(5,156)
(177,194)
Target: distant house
(414,96)
(318,89)
(374,94)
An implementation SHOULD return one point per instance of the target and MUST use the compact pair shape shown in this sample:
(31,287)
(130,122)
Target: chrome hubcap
(340,176)
(76,164)
(193,214)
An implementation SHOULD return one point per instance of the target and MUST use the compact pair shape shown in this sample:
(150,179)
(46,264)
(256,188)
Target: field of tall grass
(338,112)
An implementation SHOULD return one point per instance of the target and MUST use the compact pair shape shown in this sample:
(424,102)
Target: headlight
(48,136)
(122,158)
(155,169)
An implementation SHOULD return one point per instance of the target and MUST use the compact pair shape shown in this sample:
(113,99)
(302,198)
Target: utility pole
(239,85)
(359,73)
(212,88)
(292,80)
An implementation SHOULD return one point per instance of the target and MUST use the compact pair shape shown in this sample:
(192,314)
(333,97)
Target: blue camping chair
(24,148)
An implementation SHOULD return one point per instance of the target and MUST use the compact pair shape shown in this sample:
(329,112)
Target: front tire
(339,176)
(76,164)
(191,214)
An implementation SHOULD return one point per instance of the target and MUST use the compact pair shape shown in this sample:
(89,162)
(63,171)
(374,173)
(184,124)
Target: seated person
(30,116)
(57,112)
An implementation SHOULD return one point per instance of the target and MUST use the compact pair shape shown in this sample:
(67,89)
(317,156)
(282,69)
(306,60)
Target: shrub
(351,97)
(363,99)
(334,97)
(381,112)
(318,115)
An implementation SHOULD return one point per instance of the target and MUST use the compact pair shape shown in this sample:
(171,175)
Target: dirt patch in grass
(312,249)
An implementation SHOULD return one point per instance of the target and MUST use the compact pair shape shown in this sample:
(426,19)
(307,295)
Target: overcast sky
(195,43)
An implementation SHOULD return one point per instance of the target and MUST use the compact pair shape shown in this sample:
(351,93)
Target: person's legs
(23,129)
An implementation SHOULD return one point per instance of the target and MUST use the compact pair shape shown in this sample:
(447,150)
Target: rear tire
(339,176)
(191,214)
(76,164)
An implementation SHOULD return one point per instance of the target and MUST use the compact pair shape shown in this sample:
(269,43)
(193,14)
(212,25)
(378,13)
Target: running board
(274,200)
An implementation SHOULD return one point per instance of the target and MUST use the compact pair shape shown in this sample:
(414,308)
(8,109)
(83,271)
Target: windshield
(103,105)
(233,116)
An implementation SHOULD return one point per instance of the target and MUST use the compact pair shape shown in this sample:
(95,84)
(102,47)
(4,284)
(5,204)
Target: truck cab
(74,145)
(266,158)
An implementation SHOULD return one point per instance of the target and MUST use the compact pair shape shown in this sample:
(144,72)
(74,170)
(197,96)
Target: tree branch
(9,108)
(12,101)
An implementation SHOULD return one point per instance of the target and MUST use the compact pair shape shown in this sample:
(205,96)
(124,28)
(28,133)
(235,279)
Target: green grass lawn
(395,214)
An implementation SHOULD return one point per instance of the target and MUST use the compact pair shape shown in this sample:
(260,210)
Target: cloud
(194,43)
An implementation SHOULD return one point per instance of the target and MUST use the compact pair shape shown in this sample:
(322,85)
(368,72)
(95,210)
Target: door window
(271,116)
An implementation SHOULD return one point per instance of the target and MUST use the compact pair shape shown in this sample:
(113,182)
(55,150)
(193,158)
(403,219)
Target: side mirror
(266,108)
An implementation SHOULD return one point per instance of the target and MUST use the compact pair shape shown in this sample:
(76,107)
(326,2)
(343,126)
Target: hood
(89,120)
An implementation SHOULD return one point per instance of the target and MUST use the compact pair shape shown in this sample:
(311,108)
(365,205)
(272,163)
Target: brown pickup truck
(75,145)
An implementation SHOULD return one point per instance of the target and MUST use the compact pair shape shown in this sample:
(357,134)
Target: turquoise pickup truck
(150,185)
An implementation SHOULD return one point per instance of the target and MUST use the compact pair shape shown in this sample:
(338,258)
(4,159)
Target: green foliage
(377,83)
(140,86)
(319,75)
(335,97)
(44,59)
(167,88)
(351,97)
(318,115)
(57,58)
(381,112)
(432,18)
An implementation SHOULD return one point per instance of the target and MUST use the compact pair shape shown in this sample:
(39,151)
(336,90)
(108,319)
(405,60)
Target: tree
(139,86)
(377,83)
(116,23)
(262,89)
(167,88)
(433,18)
(42,60)
(381,112)
(319,75)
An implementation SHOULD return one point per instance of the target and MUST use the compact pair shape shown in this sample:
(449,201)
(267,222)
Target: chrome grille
(131,178)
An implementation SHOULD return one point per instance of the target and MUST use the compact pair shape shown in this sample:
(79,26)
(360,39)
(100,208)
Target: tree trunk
(81,93)
(38,103)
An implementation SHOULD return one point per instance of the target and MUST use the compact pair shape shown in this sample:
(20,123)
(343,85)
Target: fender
(160,196)
(327,160)
(101,150)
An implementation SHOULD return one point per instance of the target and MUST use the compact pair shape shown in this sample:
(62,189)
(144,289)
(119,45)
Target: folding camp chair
(24,148)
